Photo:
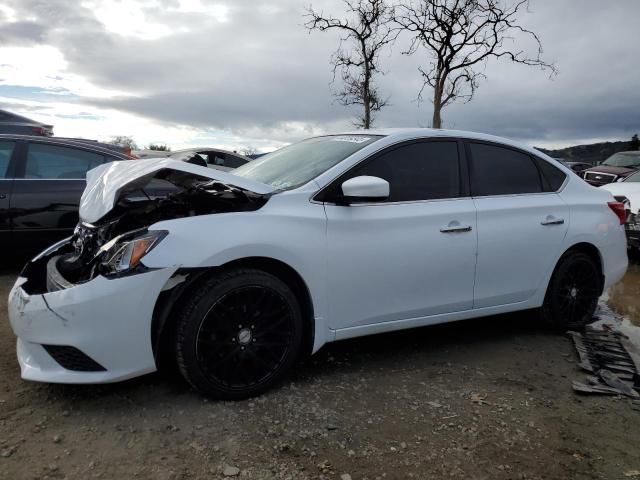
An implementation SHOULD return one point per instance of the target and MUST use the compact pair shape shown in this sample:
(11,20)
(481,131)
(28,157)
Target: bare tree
(124,141)
(159,147)
(368,29)
(249,150)
(461,36)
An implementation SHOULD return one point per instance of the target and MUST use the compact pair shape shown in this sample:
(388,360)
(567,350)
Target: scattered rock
(7,452)
(479,399)
(230,471)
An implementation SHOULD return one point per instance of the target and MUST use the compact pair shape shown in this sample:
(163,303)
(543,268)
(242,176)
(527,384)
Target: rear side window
(502,171)
(6,150)
(418,171)
(52,161)
(552,177)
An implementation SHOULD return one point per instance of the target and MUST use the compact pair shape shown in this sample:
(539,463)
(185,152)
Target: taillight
(618,209)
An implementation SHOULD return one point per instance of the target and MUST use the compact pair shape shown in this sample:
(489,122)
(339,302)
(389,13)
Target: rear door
(47,191)
(522,222)
(7,162)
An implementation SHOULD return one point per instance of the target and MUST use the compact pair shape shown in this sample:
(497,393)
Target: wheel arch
(590,250)
(171,299)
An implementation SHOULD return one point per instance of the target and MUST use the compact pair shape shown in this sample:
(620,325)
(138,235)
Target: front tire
(572,294)
(239,334)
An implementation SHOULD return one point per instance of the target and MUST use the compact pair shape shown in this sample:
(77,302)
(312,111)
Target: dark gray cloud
(21,33)
(260,70)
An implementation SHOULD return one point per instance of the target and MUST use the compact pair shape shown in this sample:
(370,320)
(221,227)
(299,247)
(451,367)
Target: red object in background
(618,209)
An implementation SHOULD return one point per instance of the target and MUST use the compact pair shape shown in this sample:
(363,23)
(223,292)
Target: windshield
(623,160)
(633,178)
(301,162)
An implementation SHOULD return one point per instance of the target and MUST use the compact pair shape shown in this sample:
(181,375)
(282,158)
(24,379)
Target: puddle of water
(619,308)
(624,296)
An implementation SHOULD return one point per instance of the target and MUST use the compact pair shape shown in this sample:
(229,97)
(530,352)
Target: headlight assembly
(124,253)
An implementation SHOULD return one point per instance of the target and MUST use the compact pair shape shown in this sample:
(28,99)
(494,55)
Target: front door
(410,256)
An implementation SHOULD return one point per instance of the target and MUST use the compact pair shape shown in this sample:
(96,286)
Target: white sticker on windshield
(357,139)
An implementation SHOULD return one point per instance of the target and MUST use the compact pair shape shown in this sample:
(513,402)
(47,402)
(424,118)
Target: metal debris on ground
(605,354)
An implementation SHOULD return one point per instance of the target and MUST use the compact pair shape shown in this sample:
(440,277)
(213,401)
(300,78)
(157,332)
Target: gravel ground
(484,399)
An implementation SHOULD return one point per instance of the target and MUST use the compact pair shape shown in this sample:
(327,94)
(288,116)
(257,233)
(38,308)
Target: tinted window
(51,161)
(502,171)
(216,158)
(553,177)
(234,162)
(6,149)
(419,171)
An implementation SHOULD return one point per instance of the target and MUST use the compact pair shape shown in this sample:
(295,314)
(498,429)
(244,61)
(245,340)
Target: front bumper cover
(109,320)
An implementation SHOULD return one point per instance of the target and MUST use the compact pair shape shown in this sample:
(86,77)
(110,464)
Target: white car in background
(627,191)
(235,276)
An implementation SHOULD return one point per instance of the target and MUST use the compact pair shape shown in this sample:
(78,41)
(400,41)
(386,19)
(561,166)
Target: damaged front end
(115,244)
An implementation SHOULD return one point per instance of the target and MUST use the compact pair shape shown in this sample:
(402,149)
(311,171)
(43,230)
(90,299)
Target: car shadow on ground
(373,355)
(471,341)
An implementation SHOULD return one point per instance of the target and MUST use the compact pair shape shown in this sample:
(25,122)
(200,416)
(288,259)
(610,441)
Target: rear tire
(239,334)
(572,294)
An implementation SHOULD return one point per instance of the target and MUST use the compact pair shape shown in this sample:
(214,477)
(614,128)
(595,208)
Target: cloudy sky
(245,73)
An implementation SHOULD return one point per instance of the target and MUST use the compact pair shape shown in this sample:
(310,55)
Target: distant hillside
(594,153)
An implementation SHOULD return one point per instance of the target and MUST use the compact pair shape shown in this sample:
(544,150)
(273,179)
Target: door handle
(550,220)
(455,229)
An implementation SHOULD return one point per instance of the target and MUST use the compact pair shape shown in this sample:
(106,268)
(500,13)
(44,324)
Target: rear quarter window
(553,177)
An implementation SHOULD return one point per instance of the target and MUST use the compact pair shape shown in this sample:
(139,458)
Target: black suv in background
(41,181)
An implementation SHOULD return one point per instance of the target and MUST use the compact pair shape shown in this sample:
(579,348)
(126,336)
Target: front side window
(6,150)
(502,171)
(55,162)
(418,171)
(297,164)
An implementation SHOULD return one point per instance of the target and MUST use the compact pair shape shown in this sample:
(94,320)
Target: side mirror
(365,188)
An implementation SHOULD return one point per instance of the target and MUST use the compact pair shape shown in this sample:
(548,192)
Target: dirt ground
(483,399)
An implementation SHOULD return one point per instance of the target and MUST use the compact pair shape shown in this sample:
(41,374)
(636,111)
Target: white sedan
(235,276)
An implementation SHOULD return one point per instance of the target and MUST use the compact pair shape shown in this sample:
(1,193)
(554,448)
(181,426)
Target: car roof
(86,145)
(409,133)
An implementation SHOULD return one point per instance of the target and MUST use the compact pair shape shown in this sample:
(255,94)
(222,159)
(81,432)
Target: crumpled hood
(105,182)
(631,190)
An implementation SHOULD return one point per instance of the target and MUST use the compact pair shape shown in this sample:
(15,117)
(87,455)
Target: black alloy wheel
(239,335)
(572,295)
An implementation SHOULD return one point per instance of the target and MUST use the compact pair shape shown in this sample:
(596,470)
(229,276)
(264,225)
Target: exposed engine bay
(162,195)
